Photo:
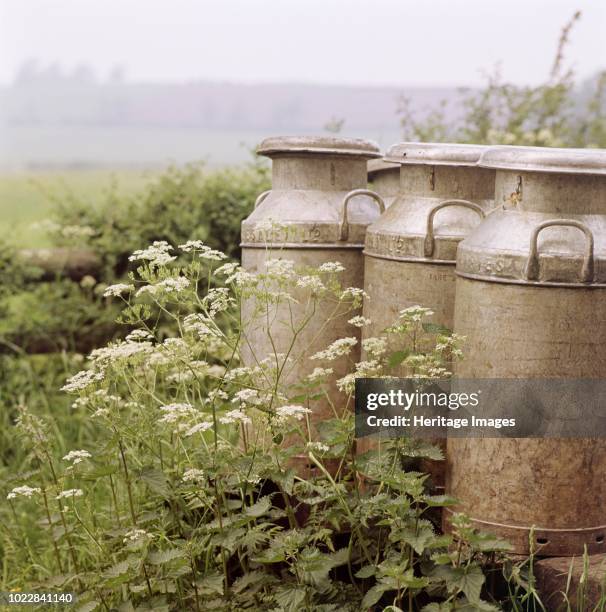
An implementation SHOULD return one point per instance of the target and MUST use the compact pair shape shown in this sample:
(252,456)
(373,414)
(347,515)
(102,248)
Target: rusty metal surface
(549,323)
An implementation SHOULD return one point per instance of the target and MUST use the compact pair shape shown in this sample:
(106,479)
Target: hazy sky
(371,42)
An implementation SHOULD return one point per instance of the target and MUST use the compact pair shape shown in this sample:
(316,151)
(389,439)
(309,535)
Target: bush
(182,494)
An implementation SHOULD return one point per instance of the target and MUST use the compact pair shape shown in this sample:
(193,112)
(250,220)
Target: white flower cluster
(168,285)
(139,335)
(117,290)
(217,300)
(355,293)
(247,396)
(158,254)
(77,456)
(415,313)
(313,283)
(176,412)
(337,349)
(234,416)
(193,475)
(374,346)
(198,324)
(319,374)
(23,491)
(119,351)
(332,267)
(133,535)
(198,428)
(318,447)
(359,321)
(70,493)
(280,268)
(292,411)
(81,381)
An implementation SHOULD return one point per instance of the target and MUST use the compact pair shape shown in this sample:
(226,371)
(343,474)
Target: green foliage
(180,492)
(552,114)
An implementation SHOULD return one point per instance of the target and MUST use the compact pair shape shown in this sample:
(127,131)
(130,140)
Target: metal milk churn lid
(531,302)
(316,212)
(384,178)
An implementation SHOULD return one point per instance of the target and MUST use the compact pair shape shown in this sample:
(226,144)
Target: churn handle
(532,265)
(429,236)
(344,227)
(261,197)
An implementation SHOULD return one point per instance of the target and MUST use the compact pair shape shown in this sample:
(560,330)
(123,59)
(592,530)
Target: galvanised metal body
(320,201)
(410,251)
(384,178)
(531,300)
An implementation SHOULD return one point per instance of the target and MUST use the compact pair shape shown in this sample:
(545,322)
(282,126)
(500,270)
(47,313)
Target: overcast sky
(368,42)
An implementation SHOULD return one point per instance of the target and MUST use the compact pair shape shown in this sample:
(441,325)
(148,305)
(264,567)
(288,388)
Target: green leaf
(160,557)
(211,584)
(397,357)
(373,595)
(366,572)
(89,606)
(434,328)
(261,507)
(443,501)
(156,480)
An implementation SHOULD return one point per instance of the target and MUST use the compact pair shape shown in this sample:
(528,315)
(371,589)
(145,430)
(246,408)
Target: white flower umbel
(280,268)
(193,475)
(355,293)
(318,447)
(234,416)
(158,254)
(337,349)
(192,245)
(415,313)
(138,335)
(359,321)
(227,269)
(82,380)
(70,493)
(212,254)
(247,396)
(375,347)
(117,290)
(77,456)
(332,267)
(313,283)
(292,411)
(176,412)
(319,374)
(198,428)
(135,534)
(23,491)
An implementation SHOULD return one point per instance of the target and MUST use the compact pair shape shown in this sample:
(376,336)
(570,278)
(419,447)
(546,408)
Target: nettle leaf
(366,572)
(261,507)
(396,358)
(373,595)
(117,574)
(156,480)
(467,580)
(291,599)
(160,557)
(286,480)
(211,584)
(435,501)
(435,328)
(418,541)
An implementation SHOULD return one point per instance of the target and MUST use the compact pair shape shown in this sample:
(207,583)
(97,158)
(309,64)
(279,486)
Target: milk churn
(410,251)
(531,300)
(320,200)
(384,178)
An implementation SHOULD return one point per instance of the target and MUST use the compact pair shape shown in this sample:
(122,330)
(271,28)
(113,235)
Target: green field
(29,197)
